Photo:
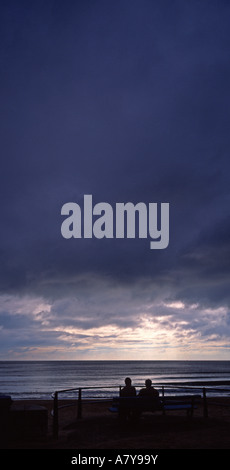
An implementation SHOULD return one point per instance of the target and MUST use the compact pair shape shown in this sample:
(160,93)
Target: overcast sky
(127,100)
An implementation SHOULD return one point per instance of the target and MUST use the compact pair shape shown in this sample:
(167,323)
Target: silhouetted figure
(126,406)
(128,390)
(149,397)
(148,391)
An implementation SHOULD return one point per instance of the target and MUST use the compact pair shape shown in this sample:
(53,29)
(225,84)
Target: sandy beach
(100,429)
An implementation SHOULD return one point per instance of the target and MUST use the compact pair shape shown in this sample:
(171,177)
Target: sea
(39,380)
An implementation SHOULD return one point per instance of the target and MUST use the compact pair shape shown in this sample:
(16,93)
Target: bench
(183,402)
(139,405)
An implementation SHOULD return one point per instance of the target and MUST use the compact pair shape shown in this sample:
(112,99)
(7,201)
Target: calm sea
(39,379)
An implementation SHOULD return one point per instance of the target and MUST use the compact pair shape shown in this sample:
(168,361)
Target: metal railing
(102,397)
(78,402)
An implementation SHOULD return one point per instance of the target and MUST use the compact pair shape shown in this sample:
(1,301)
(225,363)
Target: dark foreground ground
(100,429)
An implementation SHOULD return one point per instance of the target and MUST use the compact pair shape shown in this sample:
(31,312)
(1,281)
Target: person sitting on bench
(148,391)
(128,390)
(150,397)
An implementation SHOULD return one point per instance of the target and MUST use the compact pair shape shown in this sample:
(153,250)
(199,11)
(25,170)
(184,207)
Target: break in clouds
(126,102)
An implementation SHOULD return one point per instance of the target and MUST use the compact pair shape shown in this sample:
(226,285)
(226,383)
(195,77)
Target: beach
(98,428)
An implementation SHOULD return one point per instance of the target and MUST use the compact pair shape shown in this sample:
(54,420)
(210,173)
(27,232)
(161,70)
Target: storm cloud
(129,102)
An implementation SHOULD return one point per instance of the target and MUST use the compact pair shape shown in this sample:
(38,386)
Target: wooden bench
(164,404)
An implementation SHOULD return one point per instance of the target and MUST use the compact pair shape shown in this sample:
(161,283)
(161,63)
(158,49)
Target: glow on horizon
(164,331)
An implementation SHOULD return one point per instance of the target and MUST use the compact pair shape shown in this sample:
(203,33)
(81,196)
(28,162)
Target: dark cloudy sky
(127,100)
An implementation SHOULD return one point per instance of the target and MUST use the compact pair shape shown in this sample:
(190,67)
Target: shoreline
(100,429)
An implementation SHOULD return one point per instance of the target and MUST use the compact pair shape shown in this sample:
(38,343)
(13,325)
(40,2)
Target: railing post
(55,416)
(79,409)
(163,398)
(205,404)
